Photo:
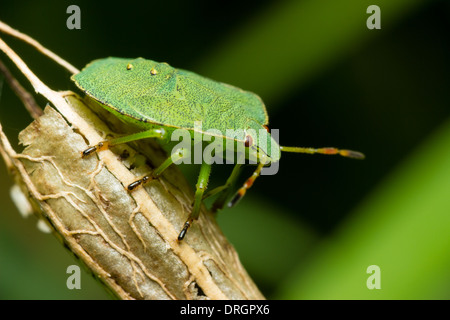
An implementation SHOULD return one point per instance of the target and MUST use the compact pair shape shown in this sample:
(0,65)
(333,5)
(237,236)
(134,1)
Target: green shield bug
(160,99)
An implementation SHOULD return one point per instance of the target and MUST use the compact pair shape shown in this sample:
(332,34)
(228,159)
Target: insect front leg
(176,156)
(202,184)
(158,133)
(247,185)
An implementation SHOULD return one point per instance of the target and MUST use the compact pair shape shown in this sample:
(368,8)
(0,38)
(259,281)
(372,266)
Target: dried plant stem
(27,99)
(19,35)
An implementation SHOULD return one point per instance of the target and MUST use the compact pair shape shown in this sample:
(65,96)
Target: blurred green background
(312,230)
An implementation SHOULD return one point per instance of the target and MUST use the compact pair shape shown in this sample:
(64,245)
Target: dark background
(327,80)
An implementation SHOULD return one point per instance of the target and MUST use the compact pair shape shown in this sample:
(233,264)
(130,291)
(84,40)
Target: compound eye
(266,127)
(248,141)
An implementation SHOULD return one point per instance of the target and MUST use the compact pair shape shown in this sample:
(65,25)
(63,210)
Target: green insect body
(158,99)
(172,98)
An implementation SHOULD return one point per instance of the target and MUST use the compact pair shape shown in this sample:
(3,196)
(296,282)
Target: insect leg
(176,156)
(202,184)
(225,190)
(159,133)
(241,192)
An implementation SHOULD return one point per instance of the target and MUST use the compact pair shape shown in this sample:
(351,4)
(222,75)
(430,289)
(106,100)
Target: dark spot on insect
(248,141)
(129,66)
(153,71)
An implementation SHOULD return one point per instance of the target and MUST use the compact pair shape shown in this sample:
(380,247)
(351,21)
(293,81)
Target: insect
(160,99)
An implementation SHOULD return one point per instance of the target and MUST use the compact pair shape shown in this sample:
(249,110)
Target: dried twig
(19,35)
(27,99)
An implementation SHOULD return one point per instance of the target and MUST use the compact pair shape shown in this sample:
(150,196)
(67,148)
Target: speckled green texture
(148,93)
(171,97)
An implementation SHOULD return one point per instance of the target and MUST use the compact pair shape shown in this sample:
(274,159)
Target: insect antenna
(329,151)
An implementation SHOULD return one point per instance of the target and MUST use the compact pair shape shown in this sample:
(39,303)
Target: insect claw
(88,151)
(134,185)
(182,234)
(137,183)
(236,198)
(100,146)
(352,154)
